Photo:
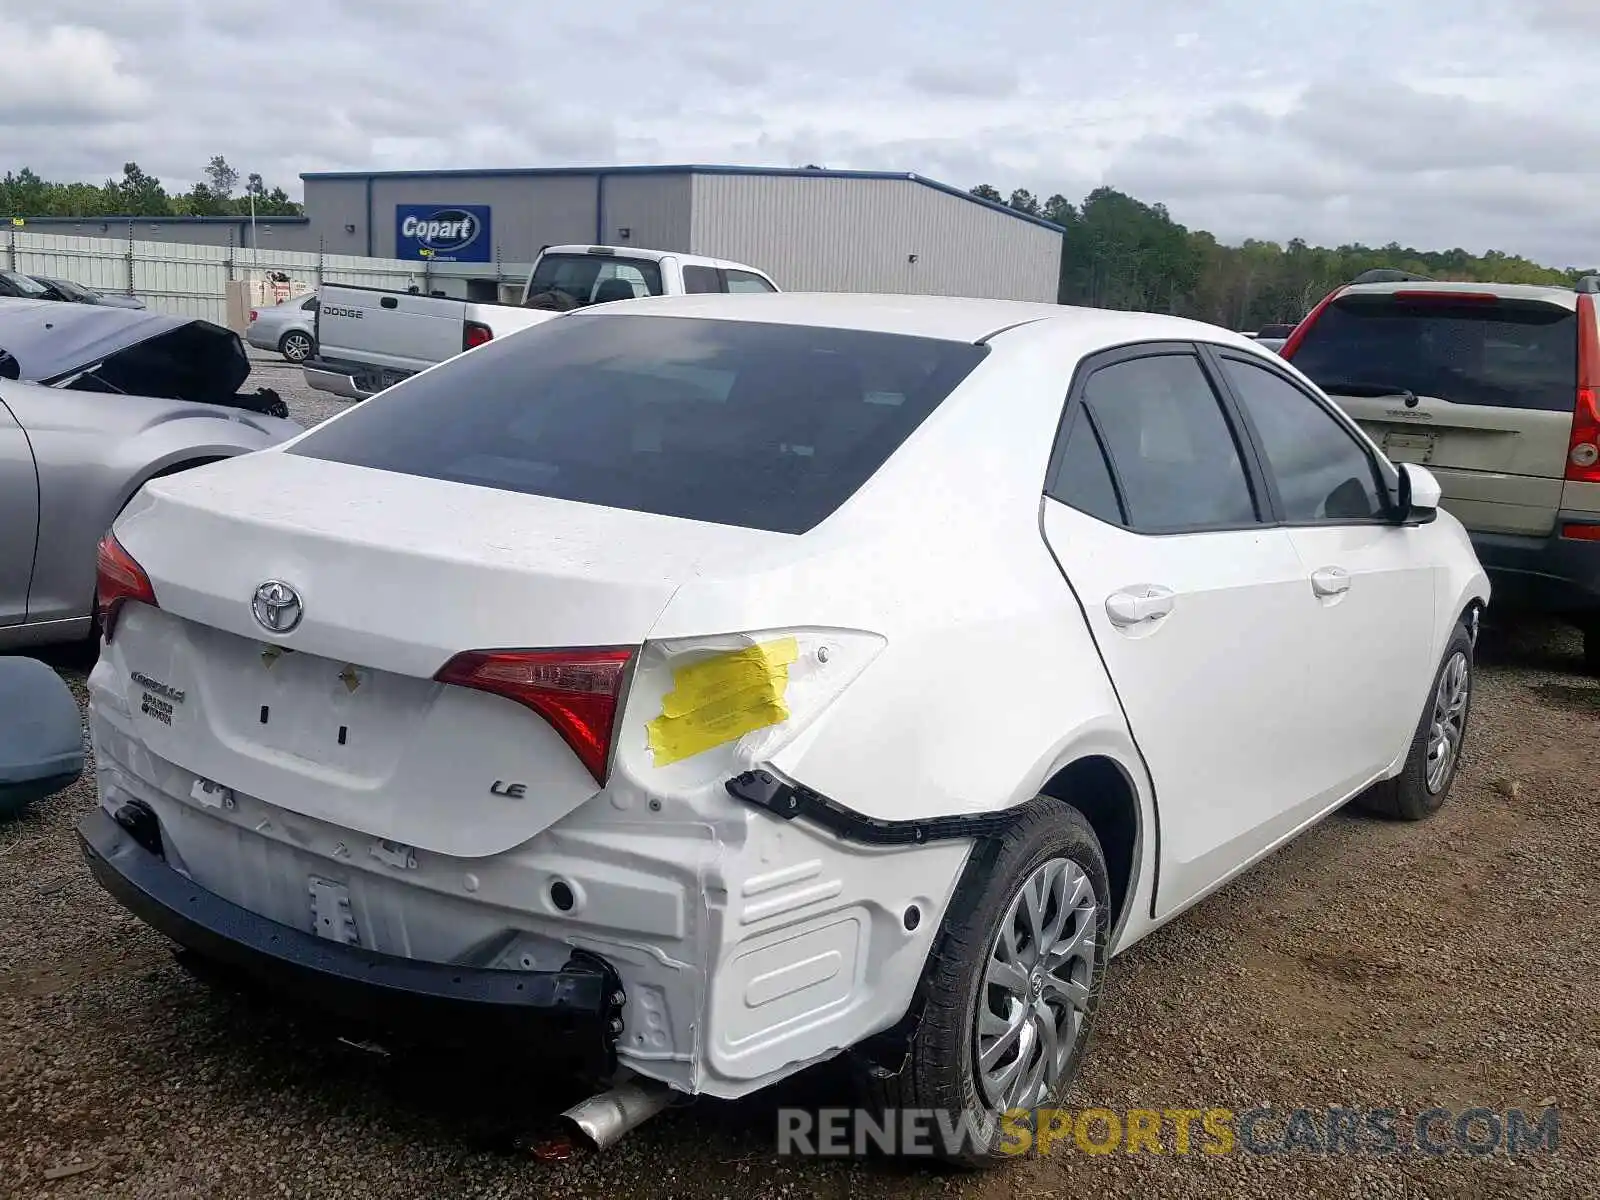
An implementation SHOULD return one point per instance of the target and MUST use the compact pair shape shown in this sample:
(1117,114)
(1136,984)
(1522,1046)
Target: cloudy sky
(1428,122)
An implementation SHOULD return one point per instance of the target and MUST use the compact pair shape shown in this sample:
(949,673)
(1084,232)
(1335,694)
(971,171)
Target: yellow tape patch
(722,698)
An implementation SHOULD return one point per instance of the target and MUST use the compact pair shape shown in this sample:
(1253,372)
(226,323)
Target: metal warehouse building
(811,230)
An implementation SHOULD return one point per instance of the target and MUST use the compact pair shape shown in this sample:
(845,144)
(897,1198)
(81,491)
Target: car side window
(699,280)
(1323,474)
(1172,450)
(745,281)
(1083,477)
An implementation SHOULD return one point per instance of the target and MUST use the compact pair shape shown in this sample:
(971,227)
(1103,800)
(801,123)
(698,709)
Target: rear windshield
(739,423)
(580,279)
(1505,354)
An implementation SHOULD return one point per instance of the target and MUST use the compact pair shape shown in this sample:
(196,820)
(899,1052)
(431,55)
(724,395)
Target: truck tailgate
(388,329)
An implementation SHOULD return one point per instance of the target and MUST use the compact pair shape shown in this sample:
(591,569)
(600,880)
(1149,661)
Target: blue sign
(443,233)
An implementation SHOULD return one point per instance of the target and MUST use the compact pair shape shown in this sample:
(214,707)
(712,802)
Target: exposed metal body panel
(651,211)
(873,235)
(528,213)
(272,233)
(811,230)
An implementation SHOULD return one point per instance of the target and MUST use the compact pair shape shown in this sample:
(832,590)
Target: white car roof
(689,260)
(950,318)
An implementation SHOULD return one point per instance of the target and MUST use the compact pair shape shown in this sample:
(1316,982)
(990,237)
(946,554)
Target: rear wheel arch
(1100,788)
(187,464)
(173,468)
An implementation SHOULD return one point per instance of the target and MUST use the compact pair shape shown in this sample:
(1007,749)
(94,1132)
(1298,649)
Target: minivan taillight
(254,316)
(118,579)
(475,334)
(579,692)
(1583,451)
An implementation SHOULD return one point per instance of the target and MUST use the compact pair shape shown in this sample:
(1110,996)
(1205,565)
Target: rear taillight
(118,579)
(475,334)
(578,691)
(1581,533)
(1583,451)
(1292,342)
(254,316)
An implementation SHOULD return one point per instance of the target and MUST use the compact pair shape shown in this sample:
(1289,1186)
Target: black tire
(304,346)
(940,1071)
(1409,795)
(1591,646)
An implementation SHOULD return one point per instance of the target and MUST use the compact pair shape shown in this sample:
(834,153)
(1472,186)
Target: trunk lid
(1477,386)
(340,719)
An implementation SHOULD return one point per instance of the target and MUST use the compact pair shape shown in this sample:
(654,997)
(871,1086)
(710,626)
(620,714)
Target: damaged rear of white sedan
(704,688)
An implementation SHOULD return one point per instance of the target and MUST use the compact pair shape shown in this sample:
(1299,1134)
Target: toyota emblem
(277,606)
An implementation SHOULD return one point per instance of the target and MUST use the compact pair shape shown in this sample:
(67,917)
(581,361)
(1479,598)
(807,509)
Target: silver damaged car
(94,401)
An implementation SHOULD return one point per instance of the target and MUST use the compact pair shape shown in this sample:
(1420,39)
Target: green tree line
(1120,252)
(138,194)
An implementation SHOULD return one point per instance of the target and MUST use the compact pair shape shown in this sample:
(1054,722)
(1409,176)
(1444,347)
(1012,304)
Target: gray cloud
(1567,16)
(964,79)
(1467,125)
(1377,162)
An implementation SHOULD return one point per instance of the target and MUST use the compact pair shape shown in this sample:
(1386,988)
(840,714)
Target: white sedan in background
(706,686)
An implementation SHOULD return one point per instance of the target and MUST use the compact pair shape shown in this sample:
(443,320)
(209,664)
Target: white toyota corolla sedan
(700,688)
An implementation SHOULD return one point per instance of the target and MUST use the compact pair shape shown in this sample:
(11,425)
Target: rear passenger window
(699,280)
(744,281)
(1083,479)
(1323,474)
(1170,445)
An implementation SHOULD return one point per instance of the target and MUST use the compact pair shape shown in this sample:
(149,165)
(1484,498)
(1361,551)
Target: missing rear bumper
(572,1015)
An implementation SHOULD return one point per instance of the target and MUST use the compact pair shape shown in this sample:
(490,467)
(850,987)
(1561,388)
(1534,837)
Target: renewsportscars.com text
(1210,1131)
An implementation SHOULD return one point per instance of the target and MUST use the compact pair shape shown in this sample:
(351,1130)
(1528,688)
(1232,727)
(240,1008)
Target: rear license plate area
(328,712)
(1409,447)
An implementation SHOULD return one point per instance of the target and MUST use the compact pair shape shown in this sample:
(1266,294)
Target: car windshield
(1468,351)
(72,290)
(739,423)
(582,279)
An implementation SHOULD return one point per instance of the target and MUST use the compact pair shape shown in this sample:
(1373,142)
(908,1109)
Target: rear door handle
(1330,581)
(1138,605)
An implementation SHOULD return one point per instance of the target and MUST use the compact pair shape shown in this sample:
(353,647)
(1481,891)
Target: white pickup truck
(369,339)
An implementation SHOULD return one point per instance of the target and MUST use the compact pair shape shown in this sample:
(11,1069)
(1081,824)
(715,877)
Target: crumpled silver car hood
(178,358)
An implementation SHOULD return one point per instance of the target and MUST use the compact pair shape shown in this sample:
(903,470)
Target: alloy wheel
(1447,726)
(1038,980)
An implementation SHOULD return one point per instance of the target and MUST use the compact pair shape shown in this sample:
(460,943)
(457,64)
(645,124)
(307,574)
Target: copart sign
(450,233)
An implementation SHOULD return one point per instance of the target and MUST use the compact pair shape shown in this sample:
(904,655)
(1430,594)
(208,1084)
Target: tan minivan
(1496,389)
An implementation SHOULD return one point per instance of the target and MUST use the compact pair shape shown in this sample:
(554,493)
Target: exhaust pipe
(604,1120)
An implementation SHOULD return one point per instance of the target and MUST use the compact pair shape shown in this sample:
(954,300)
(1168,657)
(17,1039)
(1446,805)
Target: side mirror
(41,735)
(1419,497)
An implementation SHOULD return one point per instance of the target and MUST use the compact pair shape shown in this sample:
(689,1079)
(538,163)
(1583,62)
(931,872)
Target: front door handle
(1330,581)
(1139,605)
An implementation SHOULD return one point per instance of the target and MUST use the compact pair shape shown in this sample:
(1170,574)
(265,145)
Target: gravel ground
(309,407)
(1370,964)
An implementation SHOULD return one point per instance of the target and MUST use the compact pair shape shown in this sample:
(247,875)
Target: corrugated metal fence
(191,280)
